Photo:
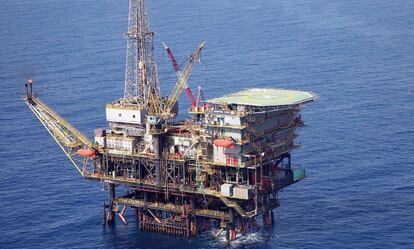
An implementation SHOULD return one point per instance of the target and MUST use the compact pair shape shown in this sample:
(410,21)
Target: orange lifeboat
(224,142)
(89,152)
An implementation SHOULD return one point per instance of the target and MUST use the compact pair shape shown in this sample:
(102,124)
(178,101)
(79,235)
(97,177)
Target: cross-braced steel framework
(141,74)
(222,169)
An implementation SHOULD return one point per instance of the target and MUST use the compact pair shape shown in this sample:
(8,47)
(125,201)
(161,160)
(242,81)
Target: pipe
(157,154)
(122,218)
(219,232)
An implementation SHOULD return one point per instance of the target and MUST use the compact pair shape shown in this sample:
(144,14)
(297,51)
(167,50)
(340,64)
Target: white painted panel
(242,193)
(124,115)
(232,120)
(120,144)
(218,154)
(101,141)
(226,189)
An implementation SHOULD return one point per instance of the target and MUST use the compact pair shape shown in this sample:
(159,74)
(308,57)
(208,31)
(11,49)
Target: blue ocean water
(357,145)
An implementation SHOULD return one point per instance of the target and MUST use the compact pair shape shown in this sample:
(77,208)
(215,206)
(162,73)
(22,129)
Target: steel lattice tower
(141,75)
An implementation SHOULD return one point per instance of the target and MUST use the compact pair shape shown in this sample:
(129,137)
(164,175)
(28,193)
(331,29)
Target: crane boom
(176,67)
(172,59)
(190,95)
(69,139)
(182,80)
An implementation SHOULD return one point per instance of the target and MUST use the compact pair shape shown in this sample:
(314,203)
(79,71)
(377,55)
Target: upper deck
(263,97)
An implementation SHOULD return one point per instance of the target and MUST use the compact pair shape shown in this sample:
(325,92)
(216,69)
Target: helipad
(265,97)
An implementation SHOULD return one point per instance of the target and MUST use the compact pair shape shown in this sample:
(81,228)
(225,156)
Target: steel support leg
(111,212)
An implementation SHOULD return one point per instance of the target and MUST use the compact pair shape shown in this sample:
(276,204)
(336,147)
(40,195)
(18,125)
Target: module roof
(265,97)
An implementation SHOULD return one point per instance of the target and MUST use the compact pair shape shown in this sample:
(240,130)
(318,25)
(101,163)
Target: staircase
(235,205)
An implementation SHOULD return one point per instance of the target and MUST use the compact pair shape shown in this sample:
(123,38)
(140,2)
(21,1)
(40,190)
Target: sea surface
(357,147)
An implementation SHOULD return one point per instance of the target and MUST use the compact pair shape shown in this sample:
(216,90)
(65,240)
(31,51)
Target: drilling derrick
(220,171)
(141,75)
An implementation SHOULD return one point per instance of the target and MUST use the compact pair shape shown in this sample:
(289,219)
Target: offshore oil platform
(221,170)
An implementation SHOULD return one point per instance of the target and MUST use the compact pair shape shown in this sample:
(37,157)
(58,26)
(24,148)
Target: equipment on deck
(226,165)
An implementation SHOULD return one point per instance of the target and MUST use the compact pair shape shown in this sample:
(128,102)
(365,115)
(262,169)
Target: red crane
(174,63)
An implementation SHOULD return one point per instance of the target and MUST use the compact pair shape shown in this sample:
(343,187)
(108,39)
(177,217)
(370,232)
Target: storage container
(226,189)
(243,193)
